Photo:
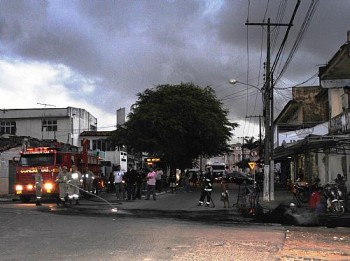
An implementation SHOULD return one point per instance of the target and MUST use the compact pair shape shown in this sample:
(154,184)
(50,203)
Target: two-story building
(313,132)
(61,124)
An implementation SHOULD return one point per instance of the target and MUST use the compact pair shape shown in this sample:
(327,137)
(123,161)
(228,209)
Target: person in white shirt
(118,182)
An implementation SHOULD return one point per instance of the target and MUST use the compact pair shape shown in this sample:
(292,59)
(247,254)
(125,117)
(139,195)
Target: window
(49,125)
(8,127)
(59,159)
(32,160)
(102,145)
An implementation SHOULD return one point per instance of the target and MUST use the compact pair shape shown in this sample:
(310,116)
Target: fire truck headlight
(29,186)
(19,187)
(48,186)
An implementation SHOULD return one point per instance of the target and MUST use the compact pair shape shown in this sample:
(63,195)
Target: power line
(300,36)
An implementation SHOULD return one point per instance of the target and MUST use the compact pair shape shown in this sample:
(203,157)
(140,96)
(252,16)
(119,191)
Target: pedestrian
(111,187)
(172,181)
(226,173)
(159,175)
(139,180)
(300,175)
(151,184)
(164,180)
(314,199)
(186,181)
(341,183)
(194,179)
(38,186)
(131,182)
(207,187)
(322,201)
(62,179)
(75,180)
(224,193)
(95,183)
(118,182)
(89,177)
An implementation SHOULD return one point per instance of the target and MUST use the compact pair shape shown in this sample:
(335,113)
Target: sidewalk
(187,201)
(8,198)
(182,201)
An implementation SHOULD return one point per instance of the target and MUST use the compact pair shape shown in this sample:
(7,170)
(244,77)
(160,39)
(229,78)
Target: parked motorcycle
(335,199)
(303,190)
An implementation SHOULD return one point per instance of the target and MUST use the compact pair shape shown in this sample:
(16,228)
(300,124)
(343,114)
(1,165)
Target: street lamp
(234,81)
(268,192)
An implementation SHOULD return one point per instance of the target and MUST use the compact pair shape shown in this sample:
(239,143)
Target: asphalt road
(30,234)
(170,228)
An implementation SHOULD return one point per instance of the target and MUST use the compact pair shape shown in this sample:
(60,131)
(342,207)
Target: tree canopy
(177,122)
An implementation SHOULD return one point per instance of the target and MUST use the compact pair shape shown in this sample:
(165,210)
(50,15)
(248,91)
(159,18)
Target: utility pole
(258,116)
(268,192)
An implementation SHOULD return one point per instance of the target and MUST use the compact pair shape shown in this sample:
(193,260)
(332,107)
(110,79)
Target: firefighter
(62,179)
(38,185)
(74,181)
(207,187)
(89,179)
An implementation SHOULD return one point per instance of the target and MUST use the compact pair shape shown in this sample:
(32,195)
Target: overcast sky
(98,55)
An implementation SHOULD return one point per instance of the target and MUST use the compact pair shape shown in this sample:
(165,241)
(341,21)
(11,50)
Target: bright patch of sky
(212,7)
(33,84)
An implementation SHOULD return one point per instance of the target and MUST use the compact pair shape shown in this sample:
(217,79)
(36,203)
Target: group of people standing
(132,182)
(127,185)
(69,183)
(207,181)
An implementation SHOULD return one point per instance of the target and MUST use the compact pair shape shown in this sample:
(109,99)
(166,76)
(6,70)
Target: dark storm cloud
(326,32)
(128,46)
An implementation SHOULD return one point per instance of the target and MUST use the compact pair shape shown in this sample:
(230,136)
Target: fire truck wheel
(24,199)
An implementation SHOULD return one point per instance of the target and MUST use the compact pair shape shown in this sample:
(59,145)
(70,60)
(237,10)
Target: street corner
(84,210)
(8,198)
(281,214)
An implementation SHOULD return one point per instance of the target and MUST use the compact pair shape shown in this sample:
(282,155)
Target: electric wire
(279,18)
(283,41)
(300,36)
(299,84)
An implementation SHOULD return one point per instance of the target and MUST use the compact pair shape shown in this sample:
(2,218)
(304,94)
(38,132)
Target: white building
(8,169)
(61,124)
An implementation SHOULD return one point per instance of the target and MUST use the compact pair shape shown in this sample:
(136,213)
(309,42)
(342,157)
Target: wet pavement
(183,205)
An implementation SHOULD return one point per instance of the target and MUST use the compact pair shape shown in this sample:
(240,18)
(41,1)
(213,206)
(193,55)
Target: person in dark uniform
(139,180)
(131,178)
(207,187)
(38,186)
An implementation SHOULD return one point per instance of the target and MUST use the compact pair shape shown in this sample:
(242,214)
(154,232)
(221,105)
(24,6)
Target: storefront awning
(334,144)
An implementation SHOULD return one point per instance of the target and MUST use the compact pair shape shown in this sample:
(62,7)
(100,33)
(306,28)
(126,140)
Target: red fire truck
(49,160)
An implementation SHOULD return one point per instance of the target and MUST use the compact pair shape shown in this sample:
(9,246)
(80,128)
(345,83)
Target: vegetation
(178,123)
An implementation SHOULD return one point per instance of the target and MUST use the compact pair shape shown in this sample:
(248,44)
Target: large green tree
(177,122)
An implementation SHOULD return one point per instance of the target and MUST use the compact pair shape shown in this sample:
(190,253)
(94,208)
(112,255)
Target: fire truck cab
(48,160)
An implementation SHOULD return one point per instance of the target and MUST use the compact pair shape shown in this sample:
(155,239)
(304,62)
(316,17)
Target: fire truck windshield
(29,160)
(218,167)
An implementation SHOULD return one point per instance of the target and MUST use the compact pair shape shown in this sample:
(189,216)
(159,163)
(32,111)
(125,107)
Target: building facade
(316,151)
(61,124)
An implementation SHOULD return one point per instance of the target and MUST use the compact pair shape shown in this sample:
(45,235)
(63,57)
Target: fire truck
(49,160)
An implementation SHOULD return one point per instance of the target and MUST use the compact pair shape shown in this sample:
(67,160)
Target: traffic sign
(252,165)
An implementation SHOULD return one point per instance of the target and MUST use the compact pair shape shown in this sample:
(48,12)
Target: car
(217,176)
(239,178)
